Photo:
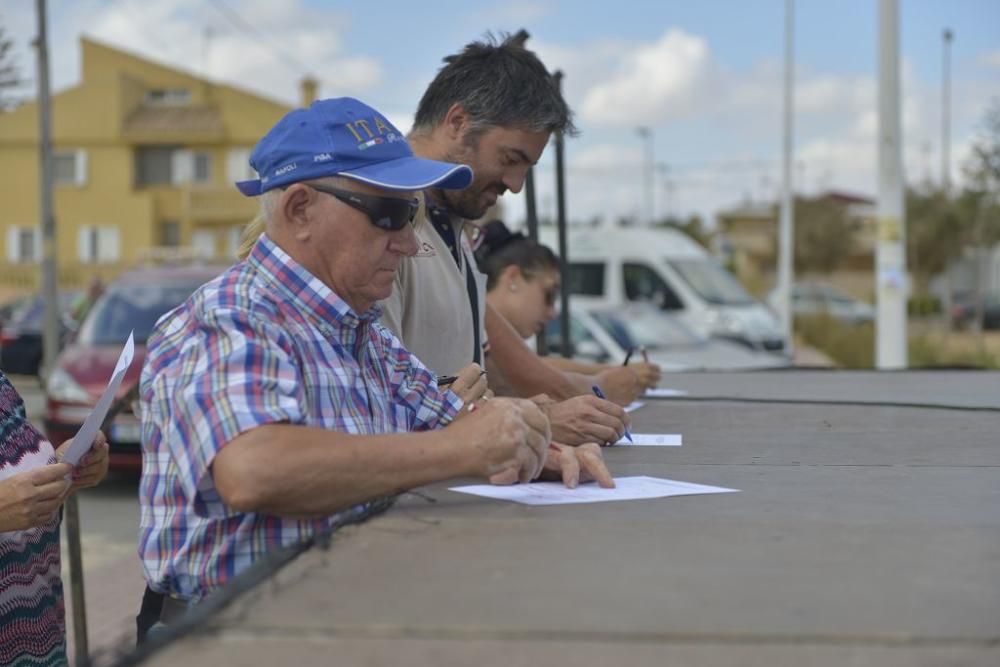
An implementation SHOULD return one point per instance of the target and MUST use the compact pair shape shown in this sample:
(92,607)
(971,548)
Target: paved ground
(863,535)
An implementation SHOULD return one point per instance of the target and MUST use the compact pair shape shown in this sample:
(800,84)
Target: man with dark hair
(493,107)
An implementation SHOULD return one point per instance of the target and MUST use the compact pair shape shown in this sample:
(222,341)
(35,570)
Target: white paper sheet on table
(662,392)
(84,438)
(634,405)
(555,493)
(652,440)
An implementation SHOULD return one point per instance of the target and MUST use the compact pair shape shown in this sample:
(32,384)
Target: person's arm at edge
(522,368)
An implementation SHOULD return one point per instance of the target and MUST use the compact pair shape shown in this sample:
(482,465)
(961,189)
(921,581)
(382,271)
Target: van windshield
(710,281)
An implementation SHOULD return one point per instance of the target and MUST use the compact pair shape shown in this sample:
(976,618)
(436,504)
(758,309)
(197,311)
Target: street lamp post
(647,173)
(946,38)
(891,279)
(786,222)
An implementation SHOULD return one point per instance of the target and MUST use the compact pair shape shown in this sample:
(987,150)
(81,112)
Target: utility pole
(891,278)
(786,231)
(50,340)
(946,38)
(567,340)
(646,133)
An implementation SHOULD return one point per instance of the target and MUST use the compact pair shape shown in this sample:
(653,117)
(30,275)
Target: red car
(135,301)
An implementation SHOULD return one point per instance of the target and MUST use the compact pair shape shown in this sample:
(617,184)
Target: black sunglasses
(389,213)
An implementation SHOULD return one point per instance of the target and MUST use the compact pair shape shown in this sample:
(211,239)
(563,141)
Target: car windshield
(128,308)
(29,315)
(713,283)
(647,328)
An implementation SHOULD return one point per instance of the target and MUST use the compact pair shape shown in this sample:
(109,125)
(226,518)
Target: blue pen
(600,394)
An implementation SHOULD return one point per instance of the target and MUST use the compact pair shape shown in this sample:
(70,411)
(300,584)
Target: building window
(169,165)
(24,244)
(98,245)
(168,96)
(238,165)
(202,168)
(170,233)
(70,167)
(153,165)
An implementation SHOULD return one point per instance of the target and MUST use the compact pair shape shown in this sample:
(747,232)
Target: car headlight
(63,388)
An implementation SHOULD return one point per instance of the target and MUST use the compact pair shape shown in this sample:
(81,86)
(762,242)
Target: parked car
(21,336)
(604,334)
(667,268)
(134,302)
(812,298)
(963,310)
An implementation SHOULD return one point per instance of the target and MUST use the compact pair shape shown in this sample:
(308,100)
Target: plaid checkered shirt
(264,342)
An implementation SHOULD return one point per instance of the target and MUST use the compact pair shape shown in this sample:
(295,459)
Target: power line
(260,38)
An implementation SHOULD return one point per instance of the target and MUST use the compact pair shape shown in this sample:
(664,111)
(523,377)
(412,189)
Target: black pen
(628,355)
(450,379)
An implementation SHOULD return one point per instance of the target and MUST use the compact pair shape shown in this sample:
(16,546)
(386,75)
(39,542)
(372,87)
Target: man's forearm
(522,368)
(302,471)
(564,364)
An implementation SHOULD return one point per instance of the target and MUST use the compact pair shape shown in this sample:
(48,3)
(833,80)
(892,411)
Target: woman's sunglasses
(389,213)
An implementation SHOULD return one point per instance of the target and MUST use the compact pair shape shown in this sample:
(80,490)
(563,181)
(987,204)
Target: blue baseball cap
(344,137)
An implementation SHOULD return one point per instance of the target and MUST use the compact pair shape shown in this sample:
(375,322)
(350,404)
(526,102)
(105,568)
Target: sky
(705,77)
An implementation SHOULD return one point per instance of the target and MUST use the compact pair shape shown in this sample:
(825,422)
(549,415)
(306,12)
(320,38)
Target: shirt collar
(303,288)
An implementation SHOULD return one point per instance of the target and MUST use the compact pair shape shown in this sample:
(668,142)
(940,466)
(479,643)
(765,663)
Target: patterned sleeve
(237,373)
(414,388)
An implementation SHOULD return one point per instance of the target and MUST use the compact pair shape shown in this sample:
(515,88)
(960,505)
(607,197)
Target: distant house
(145,159)
(748,233)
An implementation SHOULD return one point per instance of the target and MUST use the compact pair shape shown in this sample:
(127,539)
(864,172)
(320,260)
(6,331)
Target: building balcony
(208,204)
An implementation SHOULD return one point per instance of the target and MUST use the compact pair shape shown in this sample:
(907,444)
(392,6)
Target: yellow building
(145,157)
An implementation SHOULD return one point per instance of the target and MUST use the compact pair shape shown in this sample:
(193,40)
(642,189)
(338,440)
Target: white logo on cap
(322,157)
(287,168)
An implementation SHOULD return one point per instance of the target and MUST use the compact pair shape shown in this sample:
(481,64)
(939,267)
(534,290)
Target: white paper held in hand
(84,438)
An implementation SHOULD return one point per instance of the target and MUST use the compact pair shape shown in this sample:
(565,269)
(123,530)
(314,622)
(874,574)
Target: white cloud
(262,45)
(990,59)
(521,12)
(652,82)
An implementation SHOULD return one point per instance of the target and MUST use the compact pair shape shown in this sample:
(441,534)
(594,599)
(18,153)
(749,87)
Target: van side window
(586,278)
(644,284)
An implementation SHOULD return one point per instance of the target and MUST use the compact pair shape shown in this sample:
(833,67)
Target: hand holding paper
(84,438)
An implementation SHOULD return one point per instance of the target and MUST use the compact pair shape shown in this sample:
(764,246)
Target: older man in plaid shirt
(273,400)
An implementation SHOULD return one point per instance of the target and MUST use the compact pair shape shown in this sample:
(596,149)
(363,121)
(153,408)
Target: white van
(666,267)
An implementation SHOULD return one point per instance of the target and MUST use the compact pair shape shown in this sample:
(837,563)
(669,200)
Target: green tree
(10,72)
(693,226)
(823,235)
(981,197)
(937,230)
